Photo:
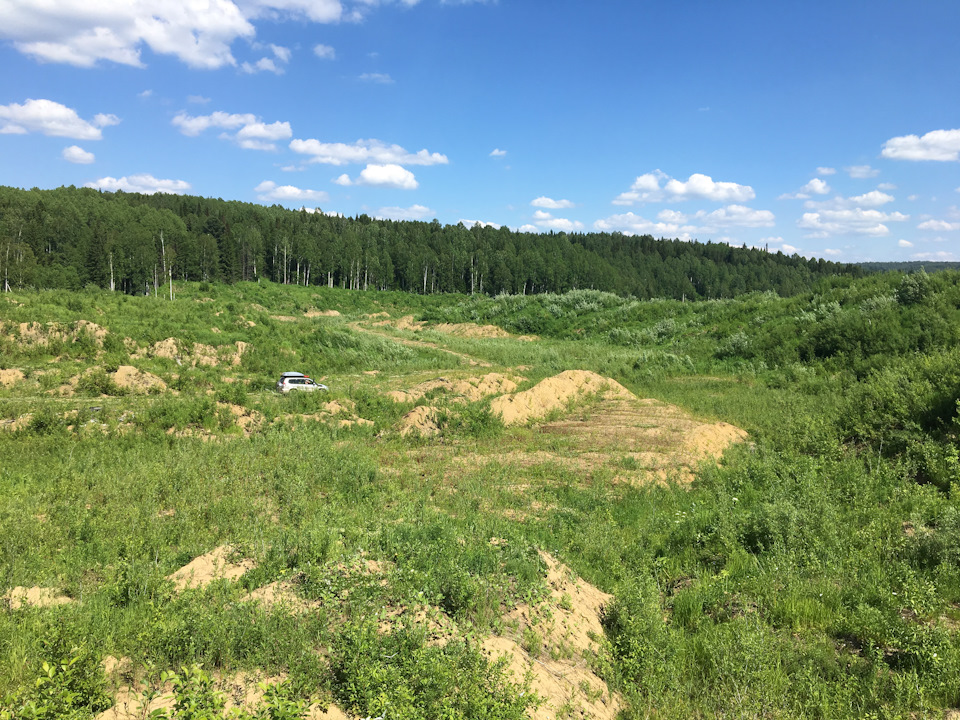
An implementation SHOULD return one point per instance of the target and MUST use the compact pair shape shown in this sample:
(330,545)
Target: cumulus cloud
(52,118)
(874,198)
(630,223)
(938,225)
(481,223)
(826,171)
(281,56)
(551,204)
(198,99)
(414,212)
(81,33)
(735,216)
(77,155)
(497,152)
(904,243)
(200,34)
(814,187)
(647,188)
(389,175)
(861,172)
(269,191)
(546,221)
(142,183)
(251,133)
(324,51)
(939,145)
(364,151)
(832,252)
(941,255)
(850,221)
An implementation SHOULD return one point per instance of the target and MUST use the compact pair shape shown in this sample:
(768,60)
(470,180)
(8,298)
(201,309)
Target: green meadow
(811,570)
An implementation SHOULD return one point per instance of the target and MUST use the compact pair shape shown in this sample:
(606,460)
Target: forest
(70,237)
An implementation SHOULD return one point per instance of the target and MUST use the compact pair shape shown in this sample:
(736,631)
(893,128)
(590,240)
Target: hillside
(70,238)
(551,506)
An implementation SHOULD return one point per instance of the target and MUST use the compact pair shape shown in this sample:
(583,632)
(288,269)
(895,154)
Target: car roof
(292,374)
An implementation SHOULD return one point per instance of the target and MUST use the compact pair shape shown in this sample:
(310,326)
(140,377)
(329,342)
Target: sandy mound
(196,354)
(138,381)
(554,642)
(19,597)
(282,594)
(421,420)
(284,318)
(471,389)
(377,315)
(203,570)
(33,333)
(321,313)
(405,323)
(10,377)
(471,330)
(553,394)
(342,412)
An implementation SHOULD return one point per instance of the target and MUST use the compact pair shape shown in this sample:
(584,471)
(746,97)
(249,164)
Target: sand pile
(471,389)
(138,381)
(554,394)
(35,334)
(471,330)
(420,420)
(321,313)
(343,412)
(10,377)
(214,565)
(20,597)
(554,642)
(195,354)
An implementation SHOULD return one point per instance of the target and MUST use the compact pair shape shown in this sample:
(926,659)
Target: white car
(297,381)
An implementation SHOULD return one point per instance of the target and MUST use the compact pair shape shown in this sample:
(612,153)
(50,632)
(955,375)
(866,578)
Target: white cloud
(647,188)
(790,249)
(551,204)
(874,198)
(497,152)
(251,132)
(382,176)
(51,118)
(414,212)
(546,221)
(632,224)
(938,225)
(735,216)
(832,252)
(281,56)
(145,94)
(941,255)
(78,155)
(142,183)
(197,32)
(826,171)
(851,221)
(198,99)
(904,243)
(814,187)
(377,78)
(319,11)
(80,32)
(363,151)
(481,223)
(940,145)
(528,228)
(324,51)
(269,191)
(861,172)
(886,186)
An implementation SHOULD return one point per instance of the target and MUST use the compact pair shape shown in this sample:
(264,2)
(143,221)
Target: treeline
(71,237)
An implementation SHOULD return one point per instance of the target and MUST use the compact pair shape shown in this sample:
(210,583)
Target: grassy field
(743,508)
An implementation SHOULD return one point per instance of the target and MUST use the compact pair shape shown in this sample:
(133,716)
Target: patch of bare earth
(341,412)
(552,394)
(281,594)
(314,313)
(466,389)
(555,642)
(138,381)
(36,334)
(421,420)
(11,377)
(20,597)
(407,323)
(214,565)
(194,354)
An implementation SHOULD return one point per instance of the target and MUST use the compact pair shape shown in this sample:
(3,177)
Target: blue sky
(831,129)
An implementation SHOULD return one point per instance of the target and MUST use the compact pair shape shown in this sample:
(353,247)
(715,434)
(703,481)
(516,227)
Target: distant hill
(909,266)
(72,237)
